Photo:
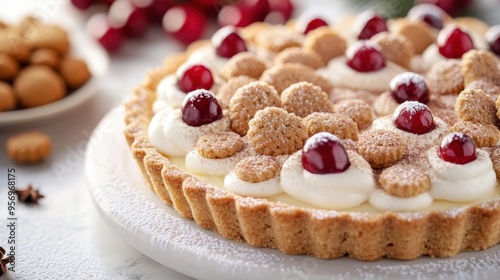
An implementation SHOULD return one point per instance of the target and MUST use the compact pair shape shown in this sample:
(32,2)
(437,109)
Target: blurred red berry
(100,29)
(185,23)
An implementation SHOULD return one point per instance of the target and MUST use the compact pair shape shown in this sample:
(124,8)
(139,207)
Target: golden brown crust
(247,101)
(274,132)
(29,147)
(404,180)
(219,145)
(255,169)
(381,148)
(336,124)
(495,159)
(305,98)
(445,77)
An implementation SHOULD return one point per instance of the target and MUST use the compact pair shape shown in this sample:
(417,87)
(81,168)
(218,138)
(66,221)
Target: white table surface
(63,237)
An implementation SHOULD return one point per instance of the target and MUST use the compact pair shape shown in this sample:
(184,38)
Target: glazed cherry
(196,77)
(313,24)
(409,86)
(369,24)
(227,42)
(457,148)
(364,56)
(493,38)
(185,23)
(323,153)
(453,42)
(99,28)
(430,14)
(413,117)
(123,14)
(200,107)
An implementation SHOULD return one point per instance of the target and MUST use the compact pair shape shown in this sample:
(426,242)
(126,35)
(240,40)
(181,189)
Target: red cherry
(200,107)
(280,11)
(133,20)
(323,153)
(493,38)
(99,28)
(157,9)
(82,4)
(413,117)
(369,24)
(453,42)
(312,24)
(431,14)
(364,56)
(244,13)
(185,23)
(409,86)
(235,15)
(457,148)
(196,77)
(227,42)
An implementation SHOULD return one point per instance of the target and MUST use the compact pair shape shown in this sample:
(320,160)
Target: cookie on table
(29,147)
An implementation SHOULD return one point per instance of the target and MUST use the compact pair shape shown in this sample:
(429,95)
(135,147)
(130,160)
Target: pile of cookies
(36,67)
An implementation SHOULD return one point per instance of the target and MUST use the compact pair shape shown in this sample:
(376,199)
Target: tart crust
(298,230)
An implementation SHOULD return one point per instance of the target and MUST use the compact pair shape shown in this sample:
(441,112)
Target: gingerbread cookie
(243,64)
(256,169)
(326,43)
(476,106)
(48,57)
(445,77)
(356,109)
(381,148)
(281,76)
(305,98)
(395,48)
(29,147)
(229,88)
(404,180)
(299,55)
(247,101)
(274,132)
(219,145)
(339,125)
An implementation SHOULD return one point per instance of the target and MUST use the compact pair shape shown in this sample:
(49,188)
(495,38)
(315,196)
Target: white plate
(131,209)
(97,60)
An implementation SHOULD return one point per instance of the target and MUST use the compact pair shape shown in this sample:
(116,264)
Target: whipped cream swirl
(329,191)
(382,200)
(461,182)
(171,136)
(341,75)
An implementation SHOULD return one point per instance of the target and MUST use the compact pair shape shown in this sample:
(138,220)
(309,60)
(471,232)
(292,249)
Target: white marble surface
(63,237)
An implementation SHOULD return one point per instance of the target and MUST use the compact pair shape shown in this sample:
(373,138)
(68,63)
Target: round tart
(294,156)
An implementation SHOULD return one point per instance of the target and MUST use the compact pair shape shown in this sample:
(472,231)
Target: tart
(272,149)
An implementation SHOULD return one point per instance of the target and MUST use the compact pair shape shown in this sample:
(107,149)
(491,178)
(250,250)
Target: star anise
(4,261)
(29,195)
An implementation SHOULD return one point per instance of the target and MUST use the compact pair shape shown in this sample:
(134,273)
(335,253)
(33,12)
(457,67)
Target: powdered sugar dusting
(408,78)
(412,107)
(319,138)
(356,46)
